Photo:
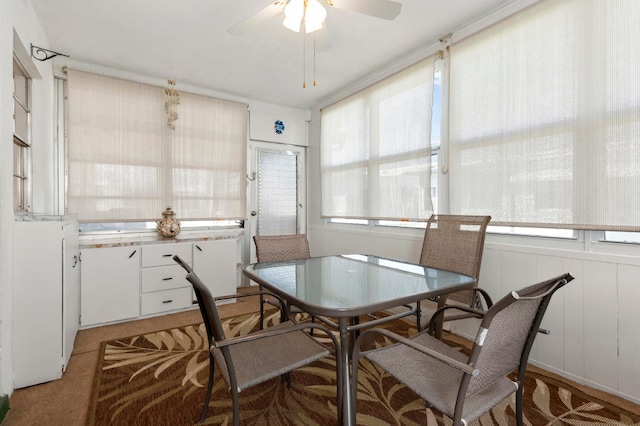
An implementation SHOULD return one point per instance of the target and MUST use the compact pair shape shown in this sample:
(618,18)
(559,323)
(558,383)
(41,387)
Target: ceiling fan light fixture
(310,10)
(314,16)
(293,14)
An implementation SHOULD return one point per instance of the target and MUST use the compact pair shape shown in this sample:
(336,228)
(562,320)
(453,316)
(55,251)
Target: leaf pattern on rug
(141,376)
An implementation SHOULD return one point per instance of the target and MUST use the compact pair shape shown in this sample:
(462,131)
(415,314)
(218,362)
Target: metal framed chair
(245,361)
(462,387)
(273,248)
(454,243)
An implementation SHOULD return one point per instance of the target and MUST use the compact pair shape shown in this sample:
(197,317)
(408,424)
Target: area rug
(160,379)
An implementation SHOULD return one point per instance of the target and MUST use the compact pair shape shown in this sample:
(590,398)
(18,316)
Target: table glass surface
(353,282)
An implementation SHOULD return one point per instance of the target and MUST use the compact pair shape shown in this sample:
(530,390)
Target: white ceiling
(186,40)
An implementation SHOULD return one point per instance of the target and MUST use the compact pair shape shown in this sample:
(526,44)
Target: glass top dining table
(347,286)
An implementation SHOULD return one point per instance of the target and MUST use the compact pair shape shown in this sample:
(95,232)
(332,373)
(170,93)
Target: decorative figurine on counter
(168,226)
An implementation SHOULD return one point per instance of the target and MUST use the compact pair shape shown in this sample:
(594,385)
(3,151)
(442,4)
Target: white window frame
(22,143)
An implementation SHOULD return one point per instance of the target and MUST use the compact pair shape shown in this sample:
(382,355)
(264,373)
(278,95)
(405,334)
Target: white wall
(594,339)
(6,194)
(19,29)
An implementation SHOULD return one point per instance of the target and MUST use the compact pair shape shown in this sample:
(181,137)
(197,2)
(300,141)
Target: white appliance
(46,296)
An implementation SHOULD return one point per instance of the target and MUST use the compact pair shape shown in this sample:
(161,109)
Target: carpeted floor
(160,378)
(67,401)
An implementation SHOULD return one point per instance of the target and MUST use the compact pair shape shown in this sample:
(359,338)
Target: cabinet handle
(167,301)
(167,279)
(131,255)
(198,247)
(167,255)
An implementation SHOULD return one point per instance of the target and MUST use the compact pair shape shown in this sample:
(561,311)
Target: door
(215,263)
(277,183)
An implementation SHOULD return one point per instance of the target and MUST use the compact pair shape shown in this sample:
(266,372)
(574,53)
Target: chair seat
(414,369)
(278,354)
(464,387)
(251,359)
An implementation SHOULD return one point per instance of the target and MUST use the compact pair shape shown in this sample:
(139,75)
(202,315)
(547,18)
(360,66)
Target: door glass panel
(277,193)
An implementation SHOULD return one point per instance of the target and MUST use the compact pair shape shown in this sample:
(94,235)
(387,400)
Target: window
(622,237)
(545,118)
(436,114)
(126,164)
(21,137)
(376,152)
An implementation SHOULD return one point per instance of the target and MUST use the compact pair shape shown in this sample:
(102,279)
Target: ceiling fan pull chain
(304,60)
(314,59)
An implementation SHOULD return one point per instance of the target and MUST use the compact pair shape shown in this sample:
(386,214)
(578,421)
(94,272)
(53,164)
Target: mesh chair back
(455,243)
(206,303)
(212,323)
(508,330)
(273,248)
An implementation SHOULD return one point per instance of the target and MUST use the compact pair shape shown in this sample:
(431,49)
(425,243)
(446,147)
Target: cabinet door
(110,284)
(37,303)
(215,263)
(71,289)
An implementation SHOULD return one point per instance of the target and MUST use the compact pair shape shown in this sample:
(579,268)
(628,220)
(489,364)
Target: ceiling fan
(313,13)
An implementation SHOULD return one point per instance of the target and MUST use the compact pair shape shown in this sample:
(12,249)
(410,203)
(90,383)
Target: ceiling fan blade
(384,9)
(252,22)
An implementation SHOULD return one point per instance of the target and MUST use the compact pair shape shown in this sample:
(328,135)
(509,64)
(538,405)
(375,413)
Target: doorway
(277,183)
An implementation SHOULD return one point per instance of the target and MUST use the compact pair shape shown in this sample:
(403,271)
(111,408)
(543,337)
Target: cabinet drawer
(163,278)
(167,300)
(162,254)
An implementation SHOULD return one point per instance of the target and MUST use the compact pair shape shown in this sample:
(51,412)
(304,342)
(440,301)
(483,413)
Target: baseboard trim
(4,407)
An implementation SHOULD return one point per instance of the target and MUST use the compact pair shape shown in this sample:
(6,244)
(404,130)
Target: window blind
(545,117)
(125,164)
(376,149)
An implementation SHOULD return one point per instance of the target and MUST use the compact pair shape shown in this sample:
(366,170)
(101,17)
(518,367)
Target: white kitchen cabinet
(216,263)
(110,284)
(141,279)
(46,297)
(164,287)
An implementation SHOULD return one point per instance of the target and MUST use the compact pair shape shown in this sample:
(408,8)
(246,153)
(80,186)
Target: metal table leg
(346,370)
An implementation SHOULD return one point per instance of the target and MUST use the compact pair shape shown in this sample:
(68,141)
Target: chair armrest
(240,295)
(465,368)
(485,296)
(275,332)
(254,293)
(475,312)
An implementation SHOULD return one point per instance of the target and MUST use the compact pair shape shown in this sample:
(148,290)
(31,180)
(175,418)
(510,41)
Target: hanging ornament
(171,104)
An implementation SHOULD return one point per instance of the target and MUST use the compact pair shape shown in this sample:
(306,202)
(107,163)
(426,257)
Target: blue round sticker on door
(279,127)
